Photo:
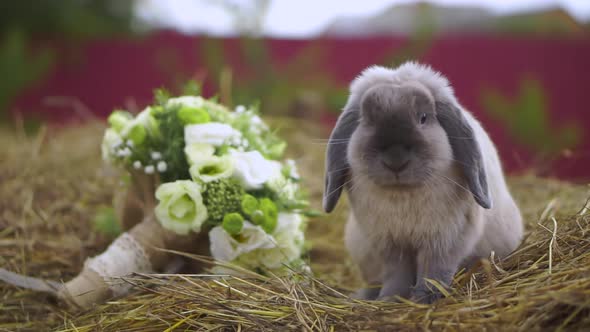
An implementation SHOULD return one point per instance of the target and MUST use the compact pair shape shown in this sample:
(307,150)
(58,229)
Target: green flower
(271,214)
(119,119)
(233,223)
(211,168)
(136,133)
(192,115)
(249,204)
(180,208)
(197,151)
(258,218)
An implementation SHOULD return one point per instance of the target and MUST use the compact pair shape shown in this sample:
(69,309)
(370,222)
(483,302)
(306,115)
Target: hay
(53,184)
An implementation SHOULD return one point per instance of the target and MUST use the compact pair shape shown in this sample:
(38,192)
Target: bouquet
(218,172)
(200,178)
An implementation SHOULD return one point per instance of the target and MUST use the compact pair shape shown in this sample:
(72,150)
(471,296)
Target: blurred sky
(306,18)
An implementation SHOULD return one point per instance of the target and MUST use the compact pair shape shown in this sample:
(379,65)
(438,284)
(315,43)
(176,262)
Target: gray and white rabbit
(425,184)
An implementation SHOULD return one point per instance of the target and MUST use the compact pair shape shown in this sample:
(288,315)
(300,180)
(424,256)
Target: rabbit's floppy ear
(337,167)
(466,151)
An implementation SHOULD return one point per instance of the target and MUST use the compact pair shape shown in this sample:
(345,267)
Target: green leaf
(191,88)
(161,96)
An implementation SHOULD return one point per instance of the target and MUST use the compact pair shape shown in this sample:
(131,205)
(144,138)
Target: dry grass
(52,185)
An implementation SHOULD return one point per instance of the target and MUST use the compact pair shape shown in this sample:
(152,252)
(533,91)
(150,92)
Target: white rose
(253,170)
(213,133)
(212,168)
(197,151)
(180,206)
(189,101)
(226,248)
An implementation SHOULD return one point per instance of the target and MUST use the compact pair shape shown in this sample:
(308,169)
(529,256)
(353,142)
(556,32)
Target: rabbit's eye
(423,118)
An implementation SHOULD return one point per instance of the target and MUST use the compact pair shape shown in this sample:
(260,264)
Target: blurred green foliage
(292,87)
(25,26)
(70,19)
(527,119)
(19,67)
(105,222)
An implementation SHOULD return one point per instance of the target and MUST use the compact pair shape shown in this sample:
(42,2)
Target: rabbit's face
(399,141)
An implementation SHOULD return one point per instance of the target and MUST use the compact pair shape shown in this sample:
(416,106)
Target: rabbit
(424,181)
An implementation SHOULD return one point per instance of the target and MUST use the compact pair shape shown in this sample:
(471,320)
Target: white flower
(162,166)
(149,169)
(189,101)
(213,133)
(293,169)
(240,109)
(137,164)
(253,170)
(289,238)
(284,188)
(180,208)
(256,120)
(110,141)
(126,152)
(156,155)
(226,248)
(129,143)
(197,151)
(255,248)
(235,141)
(211,168)
(258,124)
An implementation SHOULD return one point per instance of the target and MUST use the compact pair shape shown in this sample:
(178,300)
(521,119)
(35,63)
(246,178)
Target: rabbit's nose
(396,157)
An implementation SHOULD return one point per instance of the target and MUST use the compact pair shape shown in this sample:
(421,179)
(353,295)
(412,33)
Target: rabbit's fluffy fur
(434,216)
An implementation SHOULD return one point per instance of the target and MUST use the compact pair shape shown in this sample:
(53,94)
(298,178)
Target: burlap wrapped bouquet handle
(137,250)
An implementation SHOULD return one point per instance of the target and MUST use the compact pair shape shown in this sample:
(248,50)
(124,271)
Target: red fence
(106,74)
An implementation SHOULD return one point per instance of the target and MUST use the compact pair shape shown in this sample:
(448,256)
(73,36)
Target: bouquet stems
(136,200)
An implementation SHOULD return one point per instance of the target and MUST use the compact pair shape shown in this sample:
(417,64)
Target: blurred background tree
(71,19)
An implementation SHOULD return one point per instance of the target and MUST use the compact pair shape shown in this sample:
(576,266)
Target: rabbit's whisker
(337,189)
(339,170)
(453,181)
(330,143)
